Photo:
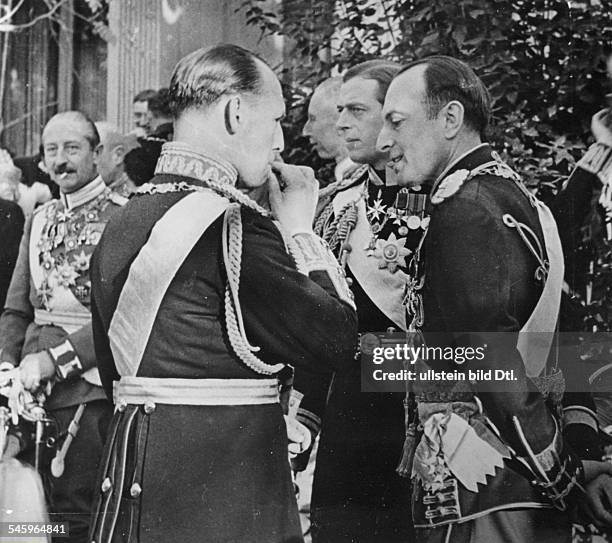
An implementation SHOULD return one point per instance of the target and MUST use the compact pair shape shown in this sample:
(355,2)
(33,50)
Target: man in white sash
(198,312)
(46,325)
(372,226)
(493,462)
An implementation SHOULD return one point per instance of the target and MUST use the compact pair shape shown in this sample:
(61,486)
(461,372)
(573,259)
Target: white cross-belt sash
(385,289)
(171,240)
(536,337)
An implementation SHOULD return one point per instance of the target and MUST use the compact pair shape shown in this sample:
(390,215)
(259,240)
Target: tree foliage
(543,61)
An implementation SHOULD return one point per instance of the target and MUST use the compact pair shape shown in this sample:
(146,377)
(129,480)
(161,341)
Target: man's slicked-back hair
(144,95)
(381,71)
(448,79)
(91,132)
(204,76)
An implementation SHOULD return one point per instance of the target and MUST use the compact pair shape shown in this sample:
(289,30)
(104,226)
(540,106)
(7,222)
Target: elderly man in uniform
(371,224)
(493,462)
(321,129)
(198,313)
(46,325)
(111,167)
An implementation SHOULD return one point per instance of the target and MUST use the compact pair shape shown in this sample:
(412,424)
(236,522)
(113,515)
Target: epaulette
(117,199)
(453,182)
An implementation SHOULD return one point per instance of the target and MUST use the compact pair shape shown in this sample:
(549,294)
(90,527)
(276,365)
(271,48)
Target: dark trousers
(71,495)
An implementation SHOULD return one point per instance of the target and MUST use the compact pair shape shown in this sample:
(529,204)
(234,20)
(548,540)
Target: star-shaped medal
(64,215)
(66,274)
(377,209)
(81,261)
(391,252)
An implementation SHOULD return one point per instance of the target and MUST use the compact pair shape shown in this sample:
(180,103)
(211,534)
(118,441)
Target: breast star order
(392,253)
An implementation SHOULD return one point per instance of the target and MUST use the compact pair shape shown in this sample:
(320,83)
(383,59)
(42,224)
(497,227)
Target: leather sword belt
(143,390)
(68,321)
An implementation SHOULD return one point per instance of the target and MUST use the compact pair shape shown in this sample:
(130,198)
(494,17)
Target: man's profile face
(261,136)
(109,164)
(142,116)
(415,143)
(321,126)
(68,155)
(360,119)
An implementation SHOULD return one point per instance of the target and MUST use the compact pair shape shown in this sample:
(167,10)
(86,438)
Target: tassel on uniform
(404,469)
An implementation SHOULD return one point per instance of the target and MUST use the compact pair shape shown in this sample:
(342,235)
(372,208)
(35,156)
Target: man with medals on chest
(492,459)
(372,226)
(46,326)
(199,312)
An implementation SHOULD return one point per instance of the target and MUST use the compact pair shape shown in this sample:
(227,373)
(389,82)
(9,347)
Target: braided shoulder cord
(232,257)
(347,223)
(535,247)
(323,219)
(337,233)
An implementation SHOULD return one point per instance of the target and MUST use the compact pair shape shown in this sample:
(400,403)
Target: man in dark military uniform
(372,225)
(197,312)
(46,325)
(493,462)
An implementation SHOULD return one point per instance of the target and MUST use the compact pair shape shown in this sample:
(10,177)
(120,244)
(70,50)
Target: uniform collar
(477,155)
(84,195)
(178,158)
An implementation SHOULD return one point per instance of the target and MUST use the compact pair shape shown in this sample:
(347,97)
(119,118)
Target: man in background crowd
(142,113)
(111,167)
(140,162)
(321,129)
(161,115)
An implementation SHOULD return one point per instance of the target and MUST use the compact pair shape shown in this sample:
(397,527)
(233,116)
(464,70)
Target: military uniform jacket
(481,277)
(216,472)
(356,486)
(48,303)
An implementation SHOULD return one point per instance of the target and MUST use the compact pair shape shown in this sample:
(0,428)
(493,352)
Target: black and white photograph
(318,271)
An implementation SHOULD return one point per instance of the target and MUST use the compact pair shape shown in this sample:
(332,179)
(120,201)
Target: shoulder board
(450,185)
(117,199)
(39,208)
(453,182)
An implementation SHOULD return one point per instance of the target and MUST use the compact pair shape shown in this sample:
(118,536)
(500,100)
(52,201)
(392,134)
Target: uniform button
(135,490)
(349,281)
(106,485)
(149,407)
